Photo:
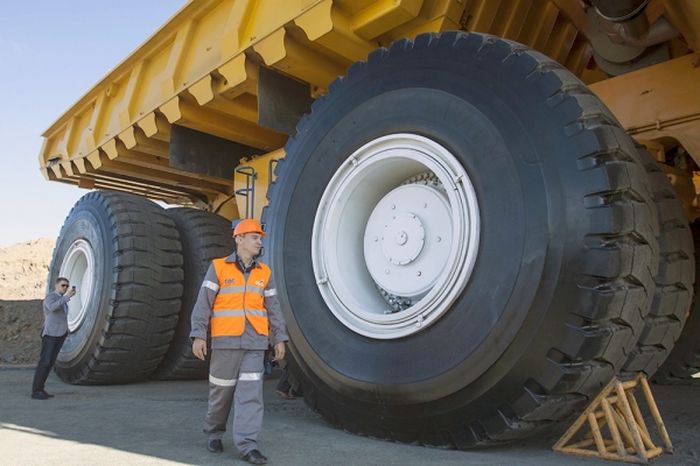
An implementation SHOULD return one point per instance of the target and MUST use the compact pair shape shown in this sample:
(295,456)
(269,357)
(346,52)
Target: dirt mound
(20,331)
(24,268)
(23,271)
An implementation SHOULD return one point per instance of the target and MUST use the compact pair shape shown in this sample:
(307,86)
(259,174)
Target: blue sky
(51,53)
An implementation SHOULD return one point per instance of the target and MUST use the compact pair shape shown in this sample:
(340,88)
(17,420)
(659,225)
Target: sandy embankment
(23,271)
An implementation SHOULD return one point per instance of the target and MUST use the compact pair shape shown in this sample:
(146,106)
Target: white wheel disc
(78,266)
(390,257)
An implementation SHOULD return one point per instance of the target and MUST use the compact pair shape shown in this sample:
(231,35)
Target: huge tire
(674,280)
(123,254)
(502,165)
(204,237)
(684,360)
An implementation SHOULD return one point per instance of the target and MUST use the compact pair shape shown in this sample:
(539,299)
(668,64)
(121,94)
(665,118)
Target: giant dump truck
(477,211)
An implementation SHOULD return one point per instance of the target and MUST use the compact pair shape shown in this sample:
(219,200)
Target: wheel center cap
(403,238)
(407,240)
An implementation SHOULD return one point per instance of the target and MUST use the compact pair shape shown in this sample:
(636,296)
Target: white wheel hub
(78,266)
(404,251)
(419,238)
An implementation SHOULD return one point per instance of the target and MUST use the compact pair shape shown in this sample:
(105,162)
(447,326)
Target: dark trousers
(50,347)
(283,384)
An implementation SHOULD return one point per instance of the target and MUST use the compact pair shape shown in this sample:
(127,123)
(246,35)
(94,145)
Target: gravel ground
(160,423)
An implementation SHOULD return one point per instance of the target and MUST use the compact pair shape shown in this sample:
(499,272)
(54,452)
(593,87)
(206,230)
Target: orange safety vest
(239,299)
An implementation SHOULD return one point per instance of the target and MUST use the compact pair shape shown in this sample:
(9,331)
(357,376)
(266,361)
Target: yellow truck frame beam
(200,70)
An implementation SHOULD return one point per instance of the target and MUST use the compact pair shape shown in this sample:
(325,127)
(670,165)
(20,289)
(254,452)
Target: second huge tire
(566,255)
(674,280)
(204,236)
(123,254)
(683,362)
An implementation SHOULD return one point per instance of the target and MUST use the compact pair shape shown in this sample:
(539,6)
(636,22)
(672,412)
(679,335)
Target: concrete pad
(160,423)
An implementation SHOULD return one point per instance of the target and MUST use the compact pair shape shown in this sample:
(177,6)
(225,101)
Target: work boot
(40,396)
(215,446)
(254,457)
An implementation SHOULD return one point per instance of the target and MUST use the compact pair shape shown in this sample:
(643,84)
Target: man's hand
(71,292)
(199,348)
(279,351)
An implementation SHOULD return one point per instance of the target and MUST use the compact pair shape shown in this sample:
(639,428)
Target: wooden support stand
(616,428)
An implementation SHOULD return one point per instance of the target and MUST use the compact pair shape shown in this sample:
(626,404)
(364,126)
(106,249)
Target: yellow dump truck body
(200,70)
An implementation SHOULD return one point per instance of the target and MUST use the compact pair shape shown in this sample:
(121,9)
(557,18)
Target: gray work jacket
(55,315)
(250,339)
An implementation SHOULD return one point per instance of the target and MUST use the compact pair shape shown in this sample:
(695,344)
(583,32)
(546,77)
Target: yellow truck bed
(200,71)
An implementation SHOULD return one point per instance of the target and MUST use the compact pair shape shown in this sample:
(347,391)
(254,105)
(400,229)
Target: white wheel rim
(78,266)
(426,250)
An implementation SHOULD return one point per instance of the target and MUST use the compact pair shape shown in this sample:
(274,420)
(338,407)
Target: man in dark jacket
(52,335)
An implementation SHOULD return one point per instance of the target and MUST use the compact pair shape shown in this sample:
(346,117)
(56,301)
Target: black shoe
(47,393)
(215,446)
(40,396)
(254,457)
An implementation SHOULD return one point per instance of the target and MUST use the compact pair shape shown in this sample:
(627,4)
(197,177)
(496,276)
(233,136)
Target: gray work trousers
(236,375)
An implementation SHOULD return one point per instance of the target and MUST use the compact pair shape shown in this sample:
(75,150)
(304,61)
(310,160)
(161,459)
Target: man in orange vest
(237,304)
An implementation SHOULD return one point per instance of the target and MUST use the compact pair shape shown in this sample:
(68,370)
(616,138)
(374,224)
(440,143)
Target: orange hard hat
(248,225)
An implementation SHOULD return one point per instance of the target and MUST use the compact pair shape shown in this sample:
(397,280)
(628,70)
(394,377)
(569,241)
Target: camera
(72,287)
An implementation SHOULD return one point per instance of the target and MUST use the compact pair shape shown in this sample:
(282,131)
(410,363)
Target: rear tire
(684,360)
(204,237)
(674,281)
(123,253)
(566,254)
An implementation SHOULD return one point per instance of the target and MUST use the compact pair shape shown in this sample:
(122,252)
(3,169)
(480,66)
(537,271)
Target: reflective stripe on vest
(239,299)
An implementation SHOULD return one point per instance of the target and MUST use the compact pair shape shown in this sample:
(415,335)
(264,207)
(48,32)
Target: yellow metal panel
(155,126)
(262,167)
(331,27)
(127,102)
(244,106)
(382,15)
(685,15)
(484,14)
(352,6)
(189,114)
(156,72)
(545,26)
(61,149)
(203,52)
(659,101)
(80,165)
(134,138)
(561,40)
(172,73)
(282,52)
(95,125)
(95,159)
(511,18)
(67,167)
(240,76)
